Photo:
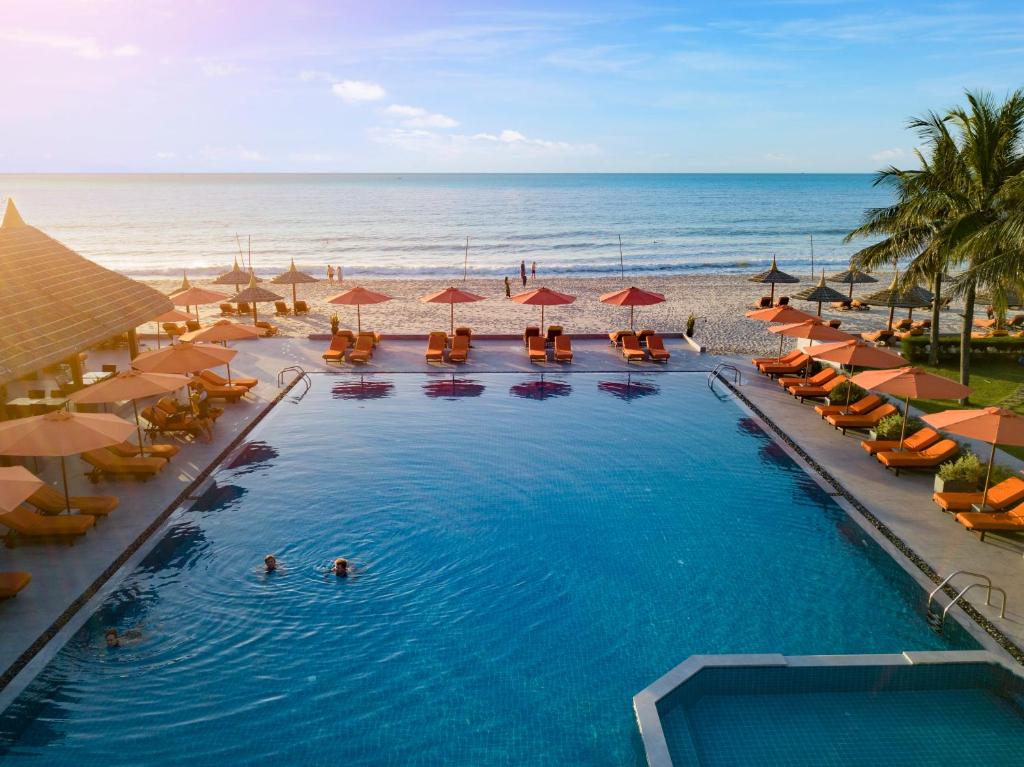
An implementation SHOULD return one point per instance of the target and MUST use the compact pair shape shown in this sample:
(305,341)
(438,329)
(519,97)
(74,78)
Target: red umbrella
(781,314)
(910,383)
(451,296)
(543,297)
(631,297)
(540,389)
(455,387)
(853,353)
(357,297)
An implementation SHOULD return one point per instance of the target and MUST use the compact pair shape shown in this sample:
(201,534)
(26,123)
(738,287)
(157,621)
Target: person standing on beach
(338,272)
(330,274)
(533,271)
(522,272)
(508,287)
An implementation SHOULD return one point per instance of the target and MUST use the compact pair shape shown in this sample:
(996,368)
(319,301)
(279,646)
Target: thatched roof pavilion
(57,303)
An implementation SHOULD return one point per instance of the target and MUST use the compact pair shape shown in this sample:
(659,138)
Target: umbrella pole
(906,415)
(255,319)
(781,338)
(64,476)
(773,294)
(988,475)
(819,308)
(359,320)
(542,319)
(851,291)
(294,299)
(451,305)
(631,318)
(158,335)
(849,390)
(229,372)
(138,427)
(892,310)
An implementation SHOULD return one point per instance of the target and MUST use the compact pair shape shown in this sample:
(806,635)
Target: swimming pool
(530,553)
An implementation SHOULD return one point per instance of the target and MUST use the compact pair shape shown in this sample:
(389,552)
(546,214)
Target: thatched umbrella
(293,277)
(852,277)
(894,298)
(820,293)
(189,295)
(254,294)
(773,276)
(237,276)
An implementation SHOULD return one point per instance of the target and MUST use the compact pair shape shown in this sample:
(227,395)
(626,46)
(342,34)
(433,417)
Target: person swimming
(113,639)
(270,563)
(341,568)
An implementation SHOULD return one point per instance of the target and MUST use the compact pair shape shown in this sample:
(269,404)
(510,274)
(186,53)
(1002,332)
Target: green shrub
(968,468)
(838,394)
(891,426)
(999,473)
(916,347)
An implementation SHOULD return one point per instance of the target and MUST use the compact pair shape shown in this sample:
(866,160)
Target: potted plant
(838,396)
(690,322)
(335,324)
(891,427)
(961,475)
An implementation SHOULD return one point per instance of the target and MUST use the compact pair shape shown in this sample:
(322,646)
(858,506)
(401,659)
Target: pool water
(529,554)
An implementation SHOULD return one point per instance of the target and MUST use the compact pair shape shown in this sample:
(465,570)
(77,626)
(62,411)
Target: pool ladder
(963,592)
(737,376)
(302,376)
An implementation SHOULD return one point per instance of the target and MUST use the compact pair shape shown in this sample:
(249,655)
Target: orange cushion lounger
(1011,521)
(13,582)
(436,343)
(822,376)
(336,351)
(219,380)
(51,501)
(363,350)
(785,359)
(460,349)
(267,328)
(866,421)
(229,393)
(227,310)
(860,407)
(787,369)
(104,462)
(929,458)
(130,450)
(814,392)
(31,526)
(563,349)
(915,442)
(631,349)
(1000,496)
(537,349)
(656,348)
(301,307)
(281,308)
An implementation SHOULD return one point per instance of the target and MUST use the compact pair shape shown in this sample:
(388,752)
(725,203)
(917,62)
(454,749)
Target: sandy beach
(718,302)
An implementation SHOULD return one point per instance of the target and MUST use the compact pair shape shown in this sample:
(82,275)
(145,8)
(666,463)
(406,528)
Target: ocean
(387,225)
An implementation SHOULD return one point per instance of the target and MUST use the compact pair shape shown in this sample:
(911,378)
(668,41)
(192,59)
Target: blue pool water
(529,556)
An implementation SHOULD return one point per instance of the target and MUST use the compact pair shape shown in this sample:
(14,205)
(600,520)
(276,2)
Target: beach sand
(718,302)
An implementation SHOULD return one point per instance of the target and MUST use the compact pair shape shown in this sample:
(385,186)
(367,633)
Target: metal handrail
(302,376)
(988,593)
(737,376)
(988,598)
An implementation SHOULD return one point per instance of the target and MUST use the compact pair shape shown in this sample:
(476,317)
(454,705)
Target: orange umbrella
(357,297)
(853,353)
(223,331)
(910,383)
(132,385)
(813,330)
(185,357)
(992,424)
(188,295)
(631,297)
(451,296)
(61,433)
(16,484)
(172,315)
(782,314)
(543,297)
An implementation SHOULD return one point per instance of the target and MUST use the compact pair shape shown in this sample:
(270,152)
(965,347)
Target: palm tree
(964,207)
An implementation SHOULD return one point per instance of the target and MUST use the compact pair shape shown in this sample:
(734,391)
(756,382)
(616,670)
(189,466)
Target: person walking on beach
(533,271)
(338,272)
(508,287)
(522,272)
(330,274)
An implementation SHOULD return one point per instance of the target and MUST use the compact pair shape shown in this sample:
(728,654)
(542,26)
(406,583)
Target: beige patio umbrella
(254,294)
(16,484)
(60,434)
(357,297)
(185,357)
(221,332)
(543,297)
(237,276)
(130,385)
(189,295)
(293,277)
(171,315)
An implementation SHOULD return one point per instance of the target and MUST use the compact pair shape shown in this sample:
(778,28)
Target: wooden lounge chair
(563,349)
(783,301)
(656,348)
(864,421)
(982,522)
(130,450)
(631,349)
(803,393)
(530,332)
(29,526)
(244,308)
(914,443)
(218,380)
(12,582)
(362,351)
(765,302)
(460,349)
(267,328)
(860,407)
(1000,496)
(193,325)
(859,305)
(436,344)
(349,334)
(616,336)
(173,330)
(281,308)
(301,307)
(465,330)
(877,336)
(642,336)
(373,336)
(929,458)
(106,464)
(787,368)
(162,423)
(823,376)
(227,310)
(537,350)
(336,351)
(785,359)
(226,393)
(49,500)
(904,324)
(553,332)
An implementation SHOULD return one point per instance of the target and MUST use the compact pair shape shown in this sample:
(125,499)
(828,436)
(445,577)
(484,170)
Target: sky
(389,86)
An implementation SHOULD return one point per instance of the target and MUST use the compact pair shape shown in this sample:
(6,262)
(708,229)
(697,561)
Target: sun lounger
(464,330)
(218,380)
(929,458)
(27,525)
(373,336)
(616,336)
(130,450)
(860,407)
(362,351)
(783,301)
(244,308)
(913,443)
(301,307)
(173,330)
(160,422)
(877,336)
(267,328)
(1000,496)
(530,332)
(537,349)
(106,464)
(460,349)
(656,348)
(49,500)
(193,325)
(227,393)
(281,308)
(865,421)
(859,305)
(643,335)
(563,349)
(982,522)
(12,582)
(436,344)
(823,376)
(631,349)
(336,351)
(815,392)
(785,359)
(227,310)
(765,302)
(786,368)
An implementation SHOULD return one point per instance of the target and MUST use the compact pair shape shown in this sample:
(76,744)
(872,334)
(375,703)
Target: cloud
(166,155)
(596,59)
(507,142)
(237,152)
(417,117)
(354,91)
(85,47)
(220,68)
(887,155)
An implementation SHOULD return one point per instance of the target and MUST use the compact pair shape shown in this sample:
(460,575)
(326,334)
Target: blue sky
(798,85)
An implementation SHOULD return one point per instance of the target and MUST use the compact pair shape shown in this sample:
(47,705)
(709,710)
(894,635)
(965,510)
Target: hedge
(916,347)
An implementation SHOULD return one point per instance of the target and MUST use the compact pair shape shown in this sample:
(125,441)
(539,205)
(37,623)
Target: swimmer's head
(341,566)
(271,562)
(111,638)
